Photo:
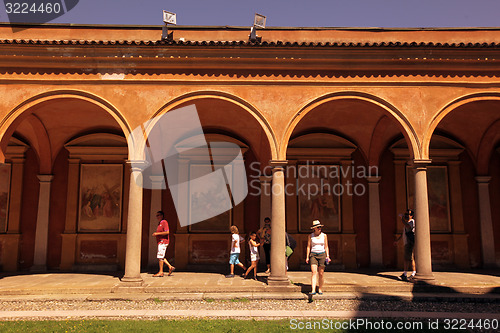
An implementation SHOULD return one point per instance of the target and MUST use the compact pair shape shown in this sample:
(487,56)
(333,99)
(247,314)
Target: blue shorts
(233,258)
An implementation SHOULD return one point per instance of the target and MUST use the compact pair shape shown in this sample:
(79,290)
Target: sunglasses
(317,227)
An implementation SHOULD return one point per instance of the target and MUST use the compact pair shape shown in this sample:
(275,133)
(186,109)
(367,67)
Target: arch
(16,112)
(443,142)
(487,96)
(408,131)
(377,142)
(487,146)
(193,96)
(43,149)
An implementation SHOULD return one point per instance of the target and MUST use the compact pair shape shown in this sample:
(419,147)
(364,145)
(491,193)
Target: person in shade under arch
(265,237)
(408,236)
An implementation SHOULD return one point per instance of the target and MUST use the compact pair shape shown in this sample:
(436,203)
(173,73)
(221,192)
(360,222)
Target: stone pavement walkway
(482,289)
(238,314)
(194,285)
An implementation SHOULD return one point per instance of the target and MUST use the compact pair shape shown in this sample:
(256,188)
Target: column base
(424,277)
(129,285)
(38,269)
(132,280)
(278,281)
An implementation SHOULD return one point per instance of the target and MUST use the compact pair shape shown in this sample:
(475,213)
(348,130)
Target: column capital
(156,178)
(18,160)
(157,182)
(373,179)
(420,163)
(45,178)
(482,179)
(136,165)
(278,163)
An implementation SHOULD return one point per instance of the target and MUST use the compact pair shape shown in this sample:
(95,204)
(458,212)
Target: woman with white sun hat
(318,255)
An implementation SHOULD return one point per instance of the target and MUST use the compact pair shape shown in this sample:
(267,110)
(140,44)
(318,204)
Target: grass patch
(209,300)
(199,325)
(120,326)
(242,299)
(157,300)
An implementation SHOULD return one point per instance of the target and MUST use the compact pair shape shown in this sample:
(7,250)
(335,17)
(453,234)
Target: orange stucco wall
(262,95)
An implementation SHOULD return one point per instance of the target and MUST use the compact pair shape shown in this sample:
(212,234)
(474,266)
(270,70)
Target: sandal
(158,275)
(170,270)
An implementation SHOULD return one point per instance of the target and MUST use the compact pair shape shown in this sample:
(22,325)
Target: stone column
(278,269)
(69,237)
(182,236)
(15,199)
(13,236)
(156,190)
(401,204)
(460,242)
(375,222)
(265,207)
(265,198)
(134,227)
(423,260)
(42,224)
(348,237)
(292,225)
(487,240)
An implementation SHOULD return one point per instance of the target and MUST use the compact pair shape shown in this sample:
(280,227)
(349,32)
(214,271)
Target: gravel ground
(244,304)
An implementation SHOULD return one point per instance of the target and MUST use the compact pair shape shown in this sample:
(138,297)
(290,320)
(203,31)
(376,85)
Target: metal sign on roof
(169,18)
(259,21)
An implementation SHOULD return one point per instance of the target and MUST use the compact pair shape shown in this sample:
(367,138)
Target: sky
(286,13)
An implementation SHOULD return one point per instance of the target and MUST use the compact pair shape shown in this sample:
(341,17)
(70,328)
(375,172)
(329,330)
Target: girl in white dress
(254,255)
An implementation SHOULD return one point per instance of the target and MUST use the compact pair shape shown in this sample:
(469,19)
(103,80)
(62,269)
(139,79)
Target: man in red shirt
(162,233)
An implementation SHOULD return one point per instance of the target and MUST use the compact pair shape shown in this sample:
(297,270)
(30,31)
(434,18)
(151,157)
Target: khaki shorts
(317,259)
(409,251)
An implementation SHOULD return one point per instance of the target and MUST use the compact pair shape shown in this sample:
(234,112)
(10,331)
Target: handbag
(288,251)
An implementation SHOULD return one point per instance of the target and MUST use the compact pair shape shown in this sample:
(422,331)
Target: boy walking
(162,238)
(236,239)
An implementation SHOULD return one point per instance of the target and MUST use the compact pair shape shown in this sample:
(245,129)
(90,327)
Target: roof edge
(226,27)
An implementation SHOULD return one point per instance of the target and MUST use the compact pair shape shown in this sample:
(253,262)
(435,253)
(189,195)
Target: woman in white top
(318,255)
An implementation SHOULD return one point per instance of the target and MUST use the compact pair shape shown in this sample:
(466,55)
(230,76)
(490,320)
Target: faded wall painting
(100,197)
(210,196)
(318,195)
(4,195)
(437,188)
